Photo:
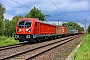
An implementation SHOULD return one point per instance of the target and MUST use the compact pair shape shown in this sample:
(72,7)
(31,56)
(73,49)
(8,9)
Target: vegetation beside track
(6,41)
(83,52)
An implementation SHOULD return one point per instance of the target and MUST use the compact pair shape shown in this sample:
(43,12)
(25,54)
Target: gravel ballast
(59,53)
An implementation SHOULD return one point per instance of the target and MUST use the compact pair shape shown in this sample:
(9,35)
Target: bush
(6,41)
(89,29)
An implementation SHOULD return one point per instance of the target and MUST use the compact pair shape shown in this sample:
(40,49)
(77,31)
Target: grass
(57,59)
(82,38)
(6,41)
(83,52)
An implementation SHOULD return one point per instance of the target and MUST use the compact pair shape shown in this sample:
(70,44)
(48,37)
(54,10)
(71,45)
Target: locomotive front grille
(22,36)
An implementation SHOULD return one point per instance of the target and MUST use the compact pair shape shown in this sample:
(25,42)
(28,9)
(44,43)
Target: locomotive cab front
(24,29)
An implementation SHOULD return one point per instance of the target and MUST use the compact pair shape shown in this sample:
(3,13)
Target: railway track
(31,51)
(11,46)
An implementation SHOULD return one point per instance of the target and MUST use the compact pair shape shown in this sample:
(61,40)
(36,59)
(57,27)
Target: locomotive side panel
(46,28)
(36,28)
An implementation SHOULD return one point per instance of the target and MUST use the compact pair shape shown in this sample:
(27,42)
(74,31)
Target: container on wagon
(71,30)
(75,31)
(80,31)
(62,30)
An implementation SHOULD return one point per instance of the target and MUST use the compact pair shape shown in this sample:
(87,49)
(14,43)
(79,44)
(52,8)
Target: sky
(62,10)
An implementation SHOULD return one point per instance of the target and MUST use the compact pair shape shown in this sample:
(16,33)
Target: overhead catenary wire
(21,4)
(61,5)
(66,11)
(39,7)
(26,6)
(30,8)
(60,10)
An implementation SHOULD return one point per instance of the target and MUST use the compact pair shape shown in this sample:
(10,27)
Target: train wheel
(51,38)
(34,40)
(56,37)
(47,38)
(37,39)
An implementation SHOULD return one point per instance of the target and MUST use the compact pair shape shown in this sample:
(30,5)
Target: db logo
(23,29)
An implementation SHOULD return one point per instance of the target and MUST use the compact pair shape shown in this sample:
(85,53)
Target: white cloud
(81,24)
(47,7)
(21,11)
(74,6)
(8,16)
(54,22)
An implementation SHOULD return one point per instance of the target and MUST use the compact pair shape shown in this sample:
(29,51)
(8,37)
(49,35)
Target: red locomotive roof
(35,19)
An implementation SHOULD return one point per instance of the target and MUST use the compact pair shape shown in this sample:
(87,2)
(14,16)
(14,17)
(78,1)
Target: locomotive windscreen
(24,24)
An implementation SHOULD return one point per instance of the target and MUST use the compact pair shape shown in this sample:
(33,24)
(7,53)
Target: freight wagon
(66,31)
(71,30)
(62,30)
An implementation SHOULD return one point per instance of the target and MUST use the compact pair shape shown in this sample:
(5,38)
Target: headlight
(19,30)
(28,30)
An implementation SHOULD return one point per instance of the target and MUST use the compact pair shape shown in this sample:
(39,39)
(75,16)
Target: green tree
(82,28)
(35,13)
(10,26)
(74,25)
(6,30)
(89,29)
(2,10)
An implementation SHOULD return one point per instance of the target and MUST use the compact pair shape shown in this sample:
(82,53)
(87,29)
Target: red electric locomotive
(31,29)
